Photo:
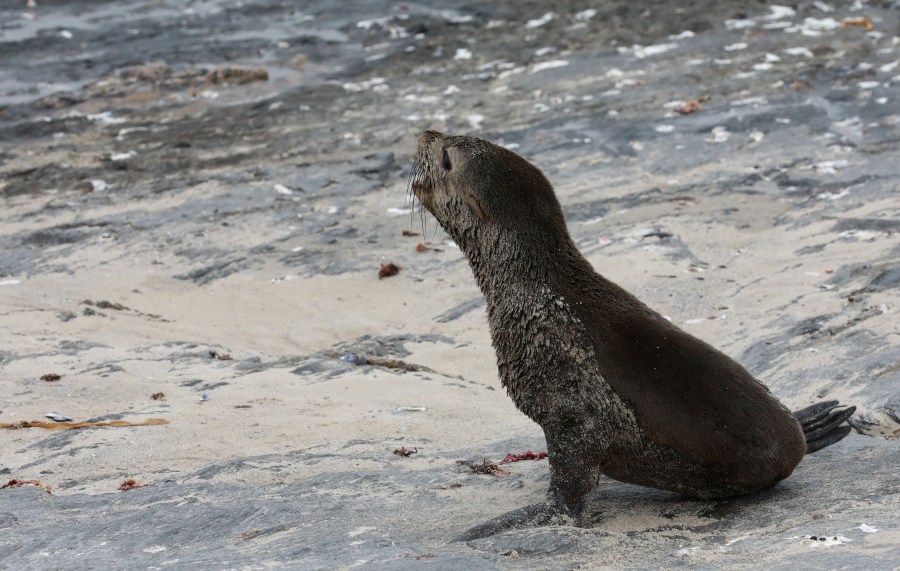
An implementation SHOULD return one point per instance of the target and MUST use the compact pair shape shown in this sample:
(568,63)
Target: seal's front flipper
(530,516)
(821,424)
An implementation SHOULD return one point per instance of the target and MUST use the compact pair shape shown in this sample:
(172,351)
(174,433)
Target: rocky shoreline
(198,198)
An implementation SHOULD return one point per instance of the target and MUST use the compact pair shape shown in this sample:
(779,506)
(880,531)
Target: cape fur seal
(617,388)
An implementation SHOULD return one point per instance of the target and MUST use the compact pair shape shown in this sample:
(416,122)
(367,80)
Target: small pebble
(354,358)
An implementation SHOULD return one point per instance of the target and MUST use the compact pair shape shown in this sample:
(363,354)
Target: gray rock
(391,517)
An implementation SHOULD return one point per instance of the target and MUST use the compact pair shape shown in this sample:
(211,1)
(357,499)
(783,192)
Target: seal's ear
(475,207)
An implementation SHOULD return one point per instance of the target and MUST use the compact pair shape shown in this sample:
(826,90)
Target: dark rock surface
(404,514)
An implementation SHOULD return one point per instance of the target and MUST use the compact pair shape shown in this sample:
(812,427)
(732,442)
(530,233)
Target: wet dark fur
(618,389)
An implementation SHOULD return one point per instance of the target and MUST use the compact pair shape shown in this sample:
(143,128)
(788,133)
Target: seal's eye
(447,165)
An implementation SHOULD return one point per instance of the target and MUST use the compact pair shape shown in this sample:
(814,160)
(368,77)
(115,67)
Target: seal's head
(479,192)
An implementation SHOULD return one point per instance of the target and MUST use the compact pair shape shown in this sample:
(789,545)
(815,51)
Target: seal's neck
(528,263)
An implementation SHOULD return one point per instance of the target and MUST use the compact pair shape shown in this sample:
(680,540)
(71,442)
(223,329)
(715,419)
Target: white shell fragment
(549,65)
(868,528)
(281,189)
(537,23)
(718,135)
(801,51)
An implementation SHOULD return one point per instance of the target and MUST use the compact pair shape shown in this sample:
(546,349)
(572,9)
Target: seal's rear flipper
(530,516)
(827,440)
(820,423)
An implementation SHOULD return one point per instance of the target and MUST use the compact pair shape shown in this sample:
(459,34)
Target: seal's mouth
(422,189)
(419,188)
(421,178)
(420,185)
